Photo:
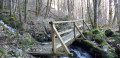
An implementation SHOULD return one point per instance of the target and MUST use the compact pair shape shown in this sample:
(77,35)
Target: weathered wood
(53,39)
(86,24)
(61,41)
(80,31)
(66,21)
(83,26)
(74,30)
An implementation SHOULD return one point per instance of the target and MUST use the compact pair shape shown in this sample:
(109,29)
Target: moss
(115,34)
(99,38)
(96,31)
(88,43)
(108,32)
(87,33)
(115,38)
(3,51)
(104,43)
(1,24)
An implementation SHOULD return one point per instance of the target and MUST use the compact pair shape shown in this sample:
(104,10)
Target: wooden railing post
(61,41)
(83,25)
(53,37)
(80,32)
(74,30)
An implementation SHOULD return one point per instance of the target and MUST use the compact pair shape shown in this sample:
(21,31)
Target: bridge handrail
(71,21)
(54,33)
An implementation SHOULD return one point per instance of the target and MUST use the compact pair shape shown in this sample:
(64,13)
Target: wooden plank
(53,39)
(80,32)
(66,21)
(61,41)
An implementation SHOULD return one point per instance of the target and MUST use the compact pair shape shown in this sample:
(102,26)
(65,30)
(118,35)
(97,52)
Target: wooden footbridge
(59,44)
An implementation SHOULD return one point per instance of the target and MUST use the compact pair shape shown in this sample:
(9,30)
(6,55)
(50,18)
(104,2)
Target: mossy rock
(96,31)
(104,43)
(88,43)
(115,34)
(108,32)
(116,38)
(87,33)
(99,38)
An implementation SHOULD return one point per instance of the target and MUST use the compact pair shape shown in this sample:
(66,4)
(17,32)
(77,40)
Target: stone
(105,48)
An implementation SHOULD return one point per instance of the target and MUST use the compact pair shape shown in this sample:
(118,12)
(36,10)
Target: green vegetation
(12,21)
(1,24)
(3,52)
(95,31)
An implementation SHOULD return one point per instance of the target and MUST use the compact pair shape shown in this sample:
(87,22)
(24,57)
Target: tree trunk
(10,7)
(25,14)
(95,12)
(118,14)
(1,4)
(88,12)
(110,12)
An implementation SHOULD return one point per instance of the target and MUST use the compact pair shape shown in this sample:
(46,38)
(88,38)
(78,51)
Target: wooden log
(61,41)
(80,32)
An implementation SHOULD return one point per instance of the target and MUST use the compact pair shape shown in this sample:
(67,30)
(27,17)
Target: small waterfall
(8,27)
(78,52)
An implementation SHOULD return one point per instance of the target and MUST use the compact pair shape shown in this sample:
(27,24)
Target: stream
(77,50)
(8,27)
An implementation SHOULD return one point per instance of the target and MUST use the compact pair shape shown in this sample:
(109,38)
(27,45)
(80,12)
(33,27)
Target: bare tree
(110,11)
(95,12)
(25,13)
(1,4)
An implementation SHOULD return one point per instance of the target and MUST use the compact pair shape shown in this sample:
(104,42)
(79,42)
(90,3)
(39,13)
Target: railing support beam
(53,38)
(74,30)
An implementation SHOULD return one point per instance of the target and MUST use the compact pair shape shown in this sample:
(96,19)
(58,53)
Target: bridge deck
(47,49)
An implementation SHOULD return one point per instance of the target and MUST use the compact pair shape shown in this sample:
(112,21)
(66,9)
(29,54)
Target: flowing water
(78,52)
(8,27)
